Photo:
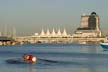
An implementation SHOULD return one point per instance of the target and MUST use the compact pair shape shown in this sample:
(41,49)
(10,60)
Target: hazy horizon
(30,16)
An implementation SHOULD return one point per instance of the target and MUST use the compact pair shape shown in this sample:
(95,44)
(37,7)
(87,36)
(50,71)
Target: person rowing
(32,59)
(29,58)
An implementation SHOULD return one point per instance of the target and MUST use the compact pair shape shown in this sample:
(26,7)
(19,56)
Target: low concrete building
(6,40)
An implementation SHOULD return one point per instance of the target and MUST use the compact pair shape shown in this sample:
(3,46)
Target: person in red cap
(29,58)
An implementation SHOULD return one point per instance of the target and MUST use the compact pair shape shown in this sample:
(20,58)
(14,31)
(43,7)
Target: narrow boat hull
(17,61)
(20,61)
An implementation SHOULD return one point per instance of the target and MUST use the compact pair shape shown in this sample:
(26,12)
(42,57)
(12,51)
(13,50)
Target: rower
(29,58)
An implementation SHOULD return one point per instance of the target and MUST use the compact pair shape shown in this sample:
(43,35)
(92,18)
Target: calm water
(70,57)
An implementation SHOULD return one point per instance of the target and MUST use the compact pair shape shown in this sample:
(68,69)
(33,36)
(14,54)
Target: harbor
(89,32)
(70,39)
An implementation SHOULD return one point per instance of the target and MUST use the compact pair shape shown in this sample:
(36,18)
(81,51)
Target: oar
(47,60)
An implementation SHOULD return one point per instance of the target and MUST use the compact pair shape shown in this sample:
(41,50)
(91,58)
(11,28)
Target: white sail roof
(48,32)
(59,32)
(64,32)
(42,33)
(53,32)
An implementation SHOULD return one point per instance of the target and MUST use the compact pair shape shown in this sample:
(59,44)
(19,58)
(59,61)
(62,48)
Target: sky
(30,16)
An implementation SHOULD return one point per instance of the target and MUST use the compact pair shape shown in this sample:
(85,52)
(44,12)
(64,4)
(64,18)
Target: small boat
(17,61)
(104,45)
(21,61)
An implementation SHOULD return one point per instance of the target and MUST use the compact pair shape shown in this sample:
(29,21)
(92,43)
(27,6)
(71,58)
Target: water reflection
(90,59)
(72,58)
(31,68)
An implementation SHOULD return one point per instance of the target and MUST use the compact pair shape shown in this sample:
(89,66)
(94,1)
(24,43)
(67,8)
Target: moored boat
(104,45)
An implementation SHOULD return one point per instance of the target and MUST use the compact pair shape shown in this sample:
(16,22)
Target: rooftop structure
(89,26)
(54,33)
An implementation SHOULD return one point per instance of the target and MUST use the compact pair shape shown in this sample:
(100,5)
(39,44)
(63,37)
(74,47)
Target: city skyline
(30,16)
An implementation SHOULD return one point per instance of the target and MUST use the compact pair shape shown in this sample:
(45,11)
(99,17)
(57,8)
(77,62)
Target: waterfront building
(48,36)
(88,32)
(89,26)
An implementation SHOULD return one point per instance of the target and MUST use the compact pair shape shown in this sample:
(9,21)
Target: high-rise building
(89,26)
